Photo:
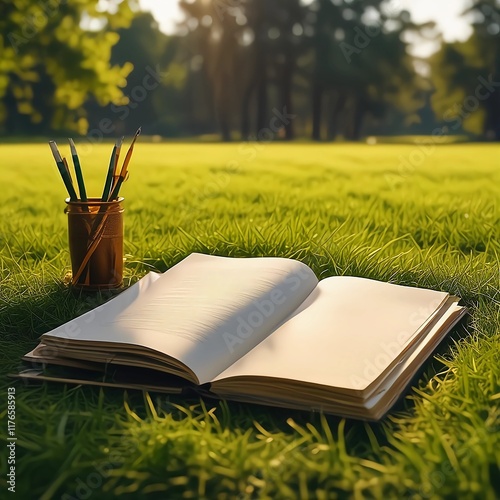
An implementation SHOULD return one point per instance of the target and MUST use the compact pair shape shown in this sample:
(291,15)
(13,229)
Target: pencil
(66,166)
(62,170)
(109,176)
(124,170)
(115,170)
(78,171)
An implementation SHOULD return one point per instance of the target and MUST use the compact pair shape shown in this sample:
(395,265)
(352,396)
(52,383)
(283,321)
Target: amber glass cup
(95,231)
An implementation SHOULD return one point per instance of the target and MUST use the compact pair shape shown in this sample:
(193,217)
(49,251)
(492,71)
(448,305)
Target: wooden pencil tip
(72,146)
(55,151)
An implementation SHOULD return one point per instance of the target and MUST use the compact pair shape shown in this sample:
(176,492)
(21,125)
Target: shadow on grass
(26,315)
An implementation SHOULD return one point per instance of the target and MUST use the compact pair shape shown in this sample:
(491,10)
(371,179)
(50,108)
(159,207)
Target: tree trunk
(248,84)
(359,113)
(287,95)
(262,121)
(261,16)
(334,117)
(494,112)
(225,130)
(245,115)
(316,111)
(358,124)
(496,98)
(492,119)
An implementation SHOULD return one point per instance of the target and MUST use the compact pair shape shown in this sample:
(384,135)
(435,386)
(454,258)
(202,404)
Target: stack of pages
(259,330)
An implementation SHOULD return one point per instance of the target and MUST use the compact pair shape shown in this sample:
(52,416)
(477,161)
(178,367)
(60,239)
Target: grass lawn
(342,209)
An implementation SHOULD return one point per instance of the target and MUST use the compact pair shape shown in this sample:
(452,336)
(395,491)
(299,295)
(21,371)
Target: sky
(446,13)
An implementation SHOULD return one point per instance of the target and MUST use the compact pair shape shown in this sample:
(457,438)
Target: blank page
(206,311)
(345,335)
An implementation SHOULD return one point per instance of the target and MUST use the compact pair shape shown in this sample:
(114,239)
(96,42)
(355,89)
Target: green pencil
(66,166)
(64,173)
(111,170)
(78,171)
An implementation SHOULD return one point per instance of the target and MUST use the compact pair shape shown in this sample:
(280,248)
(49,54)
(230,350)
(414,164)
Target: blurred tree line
(466,75)
(251,69)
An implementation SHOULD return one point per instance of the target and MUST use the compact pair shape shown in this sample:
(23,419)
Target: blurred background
(250,69)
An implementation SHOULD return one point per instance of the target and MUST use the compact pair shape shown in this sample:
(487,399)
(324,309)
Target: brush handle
(67,181)
(109,177)
(79,178)
(116,189)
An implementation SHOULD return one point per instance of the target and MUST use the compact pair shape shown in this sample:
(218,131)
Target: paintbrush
(78,171)
(62,170)
(111,170)
(115,169)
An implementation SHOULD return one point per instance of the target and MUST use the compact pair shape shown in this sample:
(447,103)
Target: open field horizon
(425,216)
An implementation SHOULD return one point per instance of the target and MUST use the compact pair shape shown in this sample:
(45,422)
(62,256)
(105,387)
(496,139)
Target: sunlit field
(400,213)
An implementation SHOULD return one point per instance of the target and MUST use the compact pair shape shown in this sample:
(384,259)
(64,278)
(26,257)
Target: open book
(260,330)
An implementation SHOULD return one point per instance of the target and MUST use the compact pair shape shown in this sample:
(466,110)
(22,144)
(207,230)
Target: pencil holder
(95,232)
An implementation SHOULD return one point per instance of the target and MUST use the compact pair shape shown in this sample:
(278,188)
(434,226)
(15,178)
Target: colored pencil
(116,174)
(78,171)
(66,166)
(124,170)
(62,170)
(109,177)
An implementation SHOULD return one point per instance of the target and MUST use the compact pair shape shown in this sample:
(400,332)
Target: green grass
(342,209)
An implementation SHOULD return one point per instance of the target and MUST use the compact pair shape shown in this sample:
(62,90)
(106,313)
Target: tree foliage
(466,75)
(51,63)
(347,56)
(257,69)
(153,86)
